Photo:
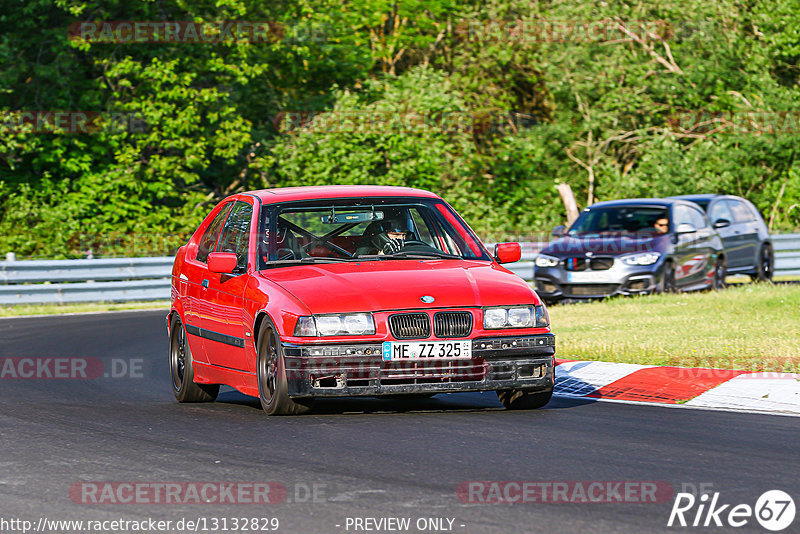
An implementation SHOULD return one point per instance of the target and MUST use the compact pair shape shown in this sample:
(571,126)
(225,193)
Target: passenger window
(720,211)
(209,238)
(423,232)
(236,234)
(682,215)
(698,219)
(740,211)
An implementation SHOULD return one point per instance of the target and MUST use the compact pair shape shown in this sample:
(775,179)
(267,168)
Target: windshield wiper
(309,260)
(424,255)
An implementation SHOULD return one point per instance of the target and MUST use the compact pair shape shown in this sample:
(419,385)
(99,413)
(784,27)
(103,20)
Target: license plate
(425,350)
(588,277)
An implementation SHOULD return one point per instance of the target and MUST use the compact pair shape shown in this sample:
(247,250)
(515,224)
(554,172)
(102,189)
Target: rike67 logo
(774,510)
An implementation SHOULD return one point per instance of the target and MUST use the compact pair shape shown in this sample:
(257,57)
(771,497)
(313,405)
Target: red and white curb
(722,389)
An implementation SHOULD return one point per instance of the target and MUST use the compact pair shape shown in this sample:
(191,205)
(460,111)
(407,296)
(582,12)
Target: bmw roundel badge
(427,299)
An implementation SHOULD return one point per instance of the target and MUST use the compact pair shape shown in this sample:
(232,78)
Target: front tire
(519,399)
(720,272)
(766,265)
(667,283)
(273,388)
(181,369)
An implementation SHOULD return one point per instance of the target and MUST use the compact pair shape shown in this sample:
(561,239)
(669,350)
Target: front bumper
(554,283)
(344,370)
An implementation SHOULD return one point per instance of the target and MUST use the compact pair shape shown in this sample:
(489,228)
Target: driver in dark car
(386,236)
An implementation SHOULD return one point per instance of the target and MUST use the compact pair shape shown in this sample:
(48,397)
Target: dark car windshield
(368,229)
(618,219)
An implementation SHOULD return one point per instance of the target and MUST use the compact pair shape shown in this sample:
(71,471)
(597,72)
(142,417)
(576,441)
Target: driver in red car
(383,237)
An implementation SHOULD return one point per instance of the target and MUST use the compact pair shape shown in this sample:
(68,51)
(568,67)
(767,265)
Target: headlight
(644,258)
(353,324)
(515,317)
(543,260)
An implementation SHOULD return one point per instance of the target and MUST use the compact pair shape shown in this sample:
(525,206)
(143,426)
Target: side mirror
(685,228)
(507,252)
(722,223)
(559,231)
(222,262)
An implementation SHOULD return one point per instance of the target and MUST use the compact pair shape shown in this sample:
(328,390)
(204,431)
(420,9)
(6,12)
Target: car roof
(661,202)
(704,197)
(289,194)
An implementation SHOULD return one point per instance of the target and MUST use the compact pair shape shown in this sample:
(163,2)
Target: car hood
(395,285)
(606,244)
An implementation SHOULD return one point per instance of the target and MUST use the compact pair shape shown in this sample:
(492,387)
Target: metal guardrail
(141,279)
(102,280)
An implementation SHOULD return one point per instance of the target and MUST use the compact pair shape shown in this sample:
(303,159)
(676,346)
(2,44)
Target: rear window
(740,211)
(719,211)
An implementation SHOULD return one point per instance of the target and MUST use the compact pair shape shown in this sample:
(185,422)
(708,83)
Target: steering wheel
(412,242)
(287,254)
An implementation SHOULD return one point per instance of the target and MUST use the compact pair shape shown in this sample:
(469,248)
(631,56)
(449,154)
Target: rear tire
(720,272)
(519,399)
(273,388)
(181,368)
(766,265)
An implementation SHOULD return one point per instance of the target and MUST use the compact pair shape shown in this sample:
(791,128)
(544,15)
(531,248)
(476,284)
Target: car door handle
(205,283)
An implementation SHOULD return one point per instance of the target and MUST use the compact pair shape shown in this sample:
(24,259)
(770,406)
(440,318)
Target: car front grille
(436,371)
(594,264)
(410,326)
(452,324)
(589,290)
(601,264)
(575,264)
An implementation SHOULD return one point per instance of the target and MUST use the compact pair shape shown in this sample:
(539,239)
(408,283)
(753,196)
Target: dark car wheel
(667,282)
(271,373)
(519,399)
(720,272)
(181,367)
(766,265)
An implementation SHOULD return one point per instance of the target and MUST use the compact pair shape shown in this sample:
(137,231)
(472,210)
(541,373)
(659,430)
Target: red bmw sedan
(339,291)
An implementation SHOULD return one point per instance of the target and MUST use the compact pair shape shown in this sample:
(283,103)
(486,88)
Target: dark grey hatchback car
(632,246)
(744,234)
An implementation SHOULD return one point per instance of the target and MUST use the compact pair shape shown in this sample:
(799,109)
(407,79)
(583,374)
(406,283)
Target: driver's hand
(391,246)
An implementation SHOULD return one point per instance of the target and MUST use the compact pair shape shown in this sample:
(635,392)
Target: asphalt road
(351,459)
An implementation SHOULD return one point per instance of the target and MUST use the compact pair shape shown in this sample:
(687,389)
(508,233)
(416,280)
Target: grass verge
(51,309)
(755,327)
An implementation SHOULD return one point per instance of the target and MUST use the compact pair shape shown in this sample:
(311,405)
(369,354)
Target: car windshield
(368,229)
(619,219)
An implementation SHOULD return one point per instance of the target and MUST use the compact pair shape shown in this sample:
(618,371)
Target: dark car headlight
(349,324)
(543,260)
(515,317)
(643,258)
